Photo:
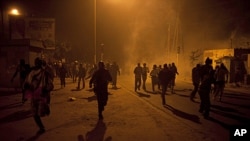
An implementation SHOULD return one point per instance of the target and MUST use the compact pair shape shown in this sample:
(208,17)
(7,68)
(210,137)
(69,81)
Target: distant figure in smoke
(114,71)
(100,79)
(145,71)
(75,70)
(165,76)
(138,75)
(159,68)
(81,76)
(239,74)
(91,71)
(207,78)
(154,77)
(221,77)
(196,81)
(62,74)
(173,68)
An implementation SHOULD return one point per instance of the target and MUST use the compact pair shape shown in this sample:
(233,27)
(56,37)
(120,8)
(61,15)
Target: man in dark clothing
(100,79)
(173,68)
(23,70)
(35,84)
(165,76)
(62,75)
(138,75)
(114,71)
(145,71)
(196,80)
(81,75)
(206,74)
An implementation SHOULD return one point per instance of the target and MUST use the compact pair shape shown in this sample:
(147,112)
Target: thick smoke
(159,27)
(149,35)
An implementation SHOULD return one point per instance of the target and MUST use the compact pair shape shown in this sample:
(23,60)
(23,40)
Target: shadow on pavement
(238,105)
(33,138)
(13,105)
(115,88)
(96,134)
(240,119)
(140,94)
(16,116)
(182,95)
(225,109)
(9,92)
(240,96)
(193,118)
(91,98)
(224,125)
(152,92)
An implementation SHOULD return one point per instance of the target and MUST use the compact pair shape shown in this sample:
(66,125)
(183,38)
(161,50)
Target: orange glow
(14,12)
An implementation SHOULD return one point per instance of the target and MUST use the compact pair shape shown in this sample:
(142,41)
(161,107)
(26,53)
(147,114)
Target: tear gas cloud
(158,27)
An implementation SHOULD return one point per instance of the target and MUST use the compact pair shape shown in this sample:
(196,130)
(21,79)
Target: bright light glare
(14,12)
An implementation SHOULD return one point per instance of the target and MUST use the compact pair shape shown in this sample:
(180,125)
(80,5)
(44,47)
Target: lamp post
(95,31)
(2,23)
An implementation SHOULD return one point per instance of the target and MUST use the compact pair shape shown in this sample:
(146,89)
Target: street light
(12,12)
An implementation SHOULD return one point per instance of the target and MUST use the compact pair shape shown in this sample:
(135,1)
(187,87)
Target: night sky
(137,30)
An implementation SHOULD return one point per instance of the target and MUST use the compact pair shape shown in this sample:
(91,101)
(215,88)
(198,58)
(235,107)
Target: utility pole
(95,31)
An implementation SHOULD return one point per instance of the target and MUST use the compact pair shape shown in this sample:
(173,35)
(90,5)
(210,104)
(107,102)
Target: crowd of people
(160,77)
(37,82)
(207,80)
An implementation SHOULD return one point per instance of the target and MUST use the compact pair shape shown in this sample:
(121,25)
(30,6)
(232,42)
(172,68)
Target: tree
(195,57)
(61,49)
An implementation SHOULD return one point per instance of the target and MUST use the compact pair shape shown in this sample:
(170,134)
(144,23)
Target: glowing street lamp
(12,12)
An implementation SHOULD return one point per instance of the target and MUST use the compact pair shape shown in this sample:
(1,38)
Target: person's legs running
(39,124)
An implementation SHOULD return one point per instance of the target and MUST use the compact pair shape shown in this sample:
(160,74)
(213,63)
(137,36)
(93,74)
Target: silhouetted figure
(206,73)
(100,79)
(221,77)
(114,71)
(154,77)
(62,74)
(145,71)
(196,81)
(173,68)
(75,70)
(159,68)
(81,76)
(165,76)
(35,84)
(138,75)
(23,70)
(91,71)
(50,77)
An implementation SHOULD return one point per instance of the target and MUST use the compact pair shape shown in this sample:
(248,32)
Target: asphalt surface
(129,115)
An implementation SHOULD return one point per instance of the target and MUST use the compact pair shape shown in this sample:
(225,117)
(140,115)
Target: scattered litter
(72,99)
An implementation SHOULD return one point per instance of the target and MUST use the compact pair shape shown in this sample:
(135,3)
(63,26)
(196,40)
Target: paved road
(128,115)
